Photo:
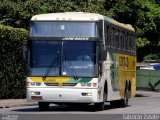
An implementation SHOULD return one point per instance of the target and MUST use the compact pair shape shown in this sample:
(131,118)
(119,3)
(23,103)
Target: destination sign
(64,38)
(75,38)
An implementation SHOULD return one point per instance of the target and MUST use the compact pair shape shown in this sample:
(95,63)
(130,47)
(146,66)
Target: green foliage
(141,42)
(144,16)
(152,57)
(12,64)
(17,13)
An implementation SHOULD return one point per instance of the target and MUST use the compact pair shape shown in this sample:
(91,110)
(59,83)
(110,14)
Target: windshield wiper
(72,69)
(49,68)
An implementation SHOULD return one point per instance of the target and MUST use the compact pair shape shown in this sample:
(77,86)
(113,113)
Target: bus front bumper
(62,95)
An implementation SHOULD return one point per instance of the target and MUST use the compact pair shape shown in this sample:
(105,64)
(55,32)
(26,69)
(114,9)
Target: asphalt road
(139,106)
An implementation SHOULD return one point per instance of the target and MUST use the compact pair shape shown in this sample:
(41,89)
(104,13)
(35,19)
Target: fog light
(89,94)
(35,93)
(86,94)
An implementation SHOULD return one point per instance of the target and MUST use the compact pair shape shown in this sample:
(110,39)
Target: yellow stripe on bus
(51,79)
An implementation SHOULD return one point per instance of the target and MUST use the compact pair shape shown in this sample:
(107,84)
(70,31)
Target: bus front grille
(60,84)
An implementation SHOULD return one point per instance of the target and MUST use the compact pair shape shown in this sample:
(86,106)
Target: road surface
(139,106)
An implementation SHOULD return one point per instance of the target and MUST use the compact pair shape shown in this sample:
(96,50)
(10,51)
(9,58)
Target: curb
(147,94)
(18,105)
(15,103)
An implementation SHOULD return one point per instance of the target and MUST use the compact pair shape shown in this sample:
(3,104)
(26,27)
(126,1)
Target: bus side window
(126,42)
(123,41)
(130,43)
(119,35)
(114,38)
(108,37)
(106,29)
(134,43)
(117,39)
(111,37)
(105,34)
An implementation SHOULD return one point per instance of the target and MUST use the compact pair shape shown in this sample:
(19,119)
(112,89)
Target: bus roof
(79,16)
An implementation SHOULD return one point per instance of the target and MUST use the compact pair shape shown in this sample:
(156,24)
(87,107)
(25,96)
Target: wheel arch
(106,87)
(126,85)
(129,85)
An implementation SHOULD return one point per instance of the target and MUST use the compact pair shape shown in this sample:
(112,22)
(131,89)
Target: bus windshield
(42,56)
(79,58)
(63,58)
(63,29)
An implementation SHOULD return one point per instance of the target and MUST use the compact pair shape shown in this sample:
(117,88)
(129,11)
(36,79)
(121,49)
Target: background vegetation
(12,64)
(143,15)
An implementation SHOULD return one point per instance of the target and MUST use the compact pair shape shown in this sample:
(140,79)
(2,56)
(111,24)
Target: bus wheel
(99,106)
(43,106)
(124,102)
(121,103)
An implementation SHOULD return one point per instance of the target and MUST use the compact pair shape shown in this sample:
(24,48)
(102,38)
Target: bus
(80,58)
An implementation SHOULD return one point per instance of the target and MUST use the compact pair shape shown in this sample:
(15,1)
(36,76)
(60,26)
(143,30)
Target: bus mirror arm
(24,50)
(100,67)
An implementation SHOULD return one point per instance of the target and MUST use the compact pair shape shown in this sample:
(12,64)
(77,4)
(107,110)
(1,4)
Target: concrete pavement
(141,93)
(7,103)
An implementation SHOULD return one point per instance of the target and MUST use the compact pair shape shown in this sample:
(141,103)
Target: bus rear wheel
(43,106)
(123,102)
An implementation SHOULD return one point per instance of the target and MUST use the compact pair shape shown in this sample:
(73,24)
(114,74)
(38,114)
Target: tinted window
(64,29)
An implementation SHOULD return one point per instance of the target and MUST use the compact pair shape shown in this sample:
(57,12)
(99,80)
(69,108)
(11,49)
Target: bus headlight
(35,93)
(38,84)
(83,84)
(88,84)
(33,84)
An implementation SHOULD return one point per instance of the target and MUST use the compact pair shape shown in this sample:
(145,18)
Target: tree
(144,17)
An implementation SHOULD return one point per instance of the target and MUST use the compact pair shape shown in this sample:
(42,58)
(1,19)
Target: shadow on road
(65,108)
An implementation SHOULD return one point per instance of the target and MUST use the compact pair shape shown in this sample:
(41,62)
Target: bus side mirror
(24,49)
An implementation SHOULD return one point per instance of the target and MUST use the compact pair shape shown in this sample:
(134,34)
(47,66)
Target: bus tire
(114,104)
(99,106)
(43,106)
(124,102)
